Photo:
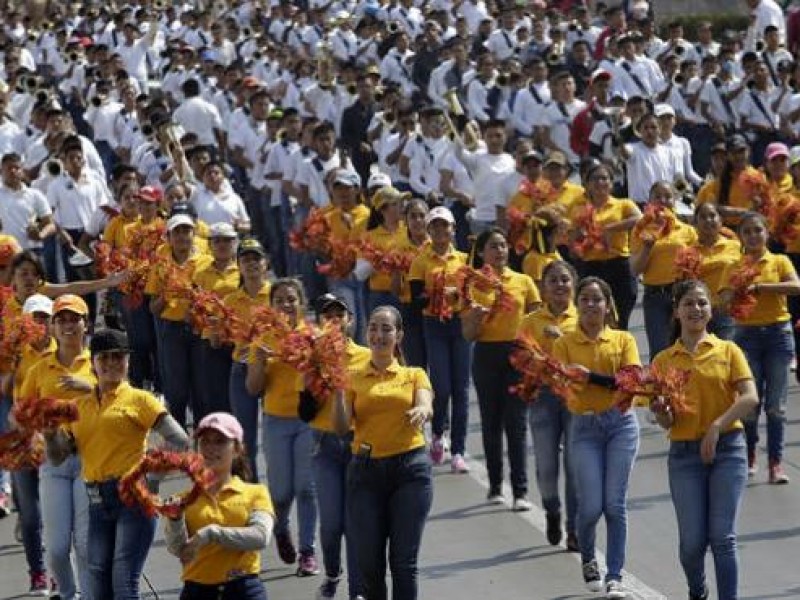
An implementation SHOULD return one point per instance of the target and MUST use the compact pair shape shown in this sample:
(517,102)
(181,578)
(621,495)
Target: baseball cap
(388,194)
(378,179)
(251,245)
(72,303)
(38,303)
(178,220)
(222,230)
(108,340)
(719,147)
(440,213)
(776,149)
(347,177)
(150,194)
(328,301)
(662,110)
(224,423)
(599,74)
(556,158)
(737,141)
(251,82)
(532,153)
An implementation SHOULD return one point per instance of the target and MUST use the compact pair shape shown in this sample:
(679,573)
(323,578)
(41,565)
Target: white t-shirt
(223,207)
(487,171)
(74,202)
(645,167)
(559,121)
(19,208)
(197,116)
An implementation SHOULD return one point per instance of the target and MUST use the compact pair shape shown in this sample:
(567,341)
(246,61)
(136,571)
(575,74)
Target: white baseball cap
(378,179)
(178,220)
(440,212)
(38,303)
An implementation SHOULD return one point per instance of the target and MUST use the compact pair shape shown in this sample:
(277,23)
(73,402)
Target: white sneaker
(615,589)
(591,576)
(522,504)
(497,498)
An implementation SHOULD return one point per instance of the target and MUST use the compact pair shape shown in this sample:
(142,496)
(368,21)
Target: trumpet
(351,89)
(760,46)
(98,100)
(73,56)
(31,83)
(503,79)
(556,54)
(247,32)
(148,131)
(53,167)
(679,79)
(42,96)
(393,27)
(159,4)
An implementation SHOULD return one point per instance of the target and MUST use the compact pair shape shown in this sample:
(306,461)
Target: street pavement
(473,551)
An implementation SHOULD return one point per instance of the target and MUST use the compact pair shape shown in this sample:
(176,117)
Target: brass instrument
(470,138)
(53,167)
(325,64)
(393,27)
(159,5)
(556,54)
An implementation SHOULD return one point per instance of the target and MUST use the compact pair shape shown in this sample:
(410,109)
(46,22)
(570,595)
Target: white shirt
(559,125)
(487,170)
(223,207)
(18,209)
(768,12)
(312,175)
(426,159)
(502,43)
(528,108)
(10,138)
(394,67)
(74,202)
(278,162)
(712,96)
(102,119)
(681,153)
(749,109)
(200,117)
(645,167)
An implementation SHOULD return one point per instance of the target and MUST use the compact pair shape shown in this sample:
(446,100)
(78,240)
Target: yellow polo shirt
(283,383)
(534,263)
(385,240)
(502,326)
(111,431)
(42,380)
(612,350)
(771,308)
(359,215)
(358,357)
(221,283)
(232,506)
(118,231)
(242,305)
(380,400)
(29,357)
(534,324)
(613,211)
(660,269)
(716,367)
(175,308)
(739,196)
(427,266)
(716,259)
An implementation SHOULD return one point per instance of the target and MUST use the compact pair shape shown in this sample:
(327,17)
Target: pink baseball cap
(223,422)
(776,149)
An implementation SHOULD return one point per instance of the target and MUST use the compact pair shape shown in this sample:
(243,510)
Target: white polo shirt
(200,117)
(18,208)
(223,207)
(74,202)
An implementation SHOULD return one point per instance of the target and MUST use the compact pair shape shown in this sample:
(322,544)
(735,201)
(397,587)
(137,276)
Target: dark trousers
(216,373)
(500,411)
(183,368)
(413,337)
(243,588)
(616,272)
(142,337)
(389,501)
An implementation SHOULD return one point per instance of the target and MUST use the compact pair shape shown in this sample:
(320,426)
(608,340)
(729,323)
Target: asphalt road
(473,551)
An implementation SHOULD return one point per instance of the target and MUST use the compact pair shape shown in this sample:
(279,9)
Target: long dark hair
(241,465)
(679,290)
(27,256)
(475,256)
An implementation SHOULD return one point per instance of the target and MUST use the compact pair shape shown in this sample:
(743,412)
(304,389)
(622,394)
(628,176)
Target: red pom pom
(589,232)
(21,450)
(39,414)
(743,276)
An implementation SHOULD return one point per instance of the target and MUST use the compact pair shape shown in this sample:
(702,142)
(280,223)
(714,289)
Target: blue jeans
(448,363)
(288,443)
(246,408)
(657,305)
(276,239)
(721,325)
(119,540)
(462,233)
(25,483)
(413,337)
(65,514)
(603,449)
(352,292)
(331,457)
(549,421)
(388,503)
(142,338)
(5,408)
(216,374)
(500,411)
(769,351)
(376,299)
(183,370)
(244,588)
(707,500)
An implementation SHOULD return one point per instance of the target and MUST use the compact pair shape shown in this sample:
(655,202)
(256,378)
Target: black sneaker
(703,596)
(553,528)
(591,576)
(572,542)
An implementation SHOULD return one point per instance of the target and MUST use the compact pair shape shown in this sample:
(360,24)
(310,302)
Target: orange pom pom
(744,301)
(21,450)
(538,369)
(688,262)
(39,414)
(589,232)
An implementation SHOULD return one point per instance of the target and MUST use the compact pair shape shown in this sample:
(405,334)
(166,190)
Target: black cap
(737,141)
(251,245)
(328,301)
(184,208)
(108,340)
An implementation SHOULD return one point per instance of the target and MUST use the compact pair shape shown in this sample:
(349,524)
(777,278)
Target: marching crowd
(441,181)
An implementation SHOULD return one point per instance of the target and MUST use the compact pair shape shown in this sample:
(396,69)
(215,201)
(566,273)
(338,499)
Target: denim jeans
(413,337)
(352,292)
(769,351)
(707,500)
(388,503)
(244,588)
(276,239)
(65,515)
(25,484)
(721,325)
(331,457)
(119,540)
(500,411)
(246,408)
(603,449)
(183,370)
(288,443)
(5,408)
(617,273)
(657,305)
(142,338)
(448,363)
(216,374)
(549,421)
(376,299)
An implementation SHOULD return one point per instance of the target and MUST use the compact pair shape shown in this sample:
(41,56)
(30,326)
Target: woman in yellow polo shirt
(221,277)
(287,441)
(447,351)
(718,253)
(653,257)
(616,217)
(330,459)
(492,374)
(220,536)
(253,292)
(416,210)
(548,417)
(604,441)
(110,437)
(62,490)
(707,455)
(729,191)
(179,350)
(766,338)
(389,477)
